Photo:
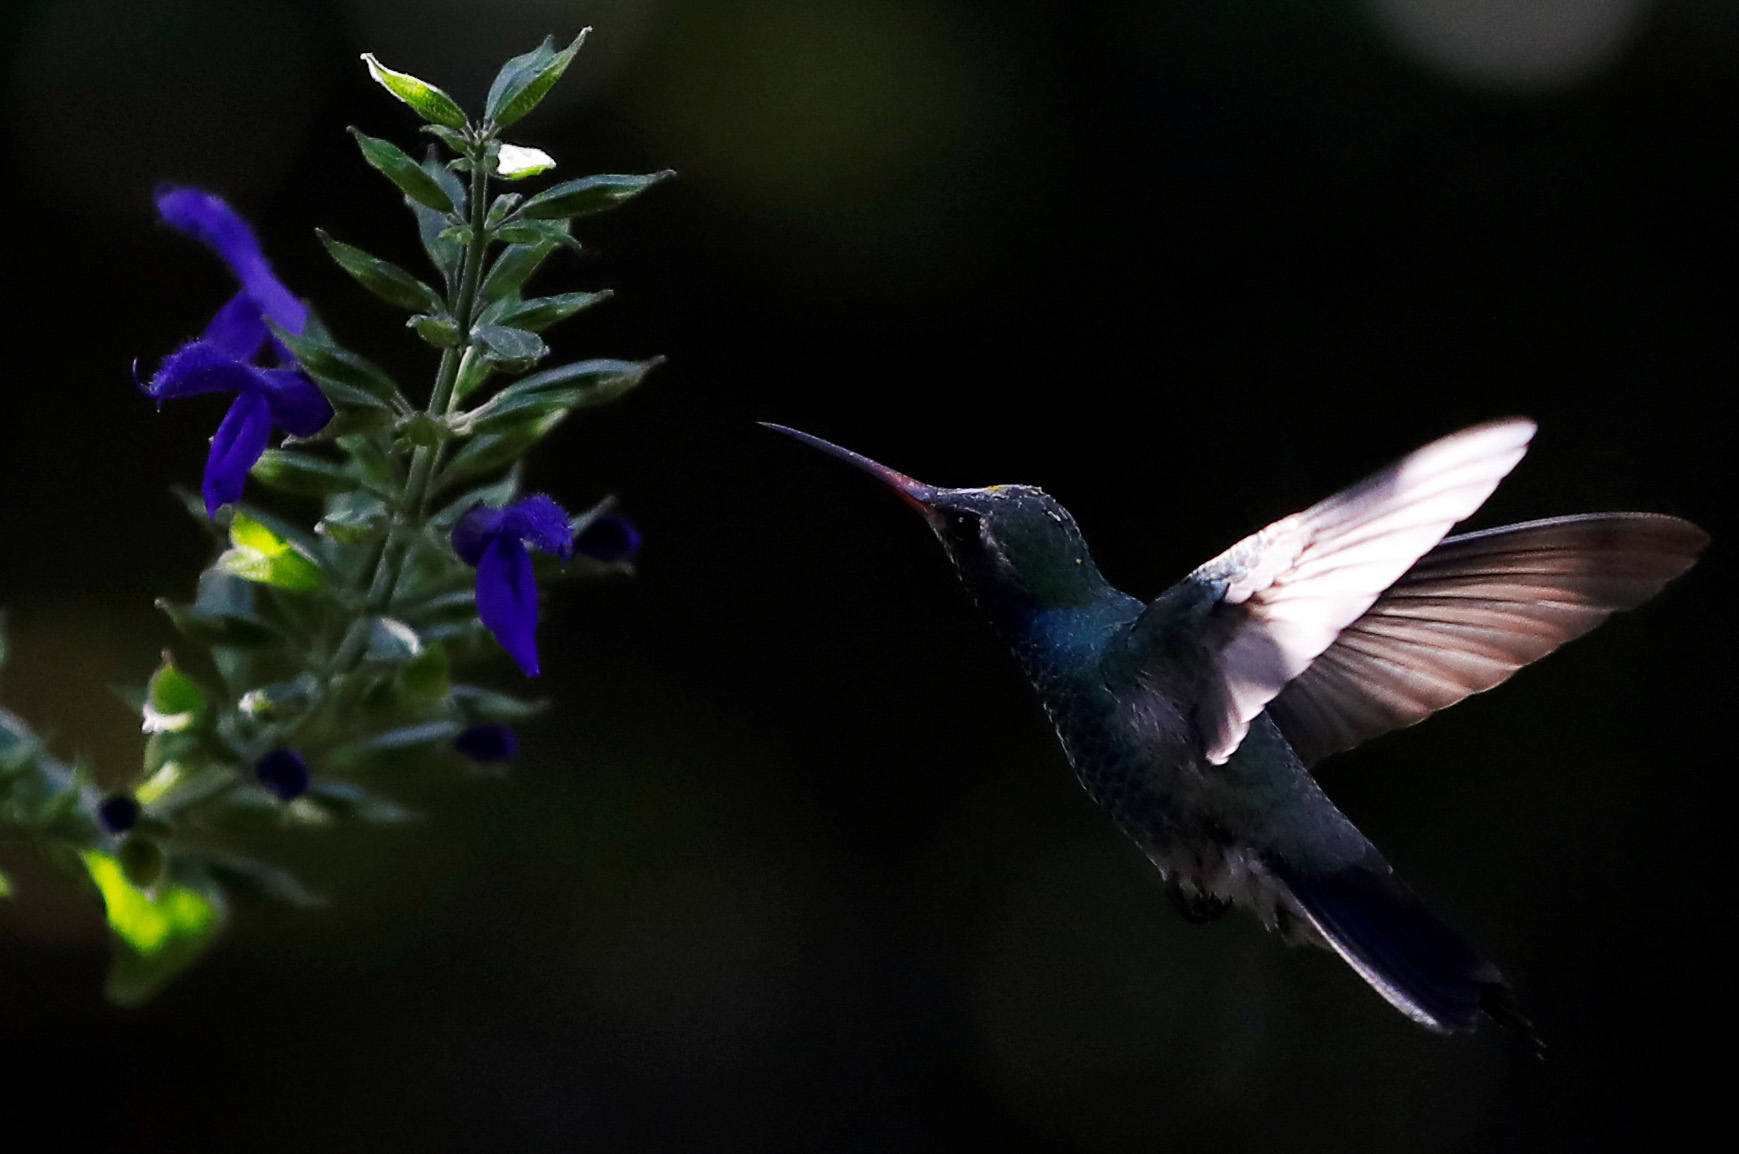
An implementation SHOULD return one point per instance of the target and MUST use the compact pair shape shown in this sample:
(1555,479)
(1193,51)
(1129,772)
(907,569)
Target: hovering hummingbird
(1193,718)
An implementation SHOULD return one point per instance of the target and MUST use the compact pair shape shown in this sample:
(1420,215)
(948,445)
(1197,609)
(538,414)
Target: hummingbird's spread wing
(1288,591)
(1473,611)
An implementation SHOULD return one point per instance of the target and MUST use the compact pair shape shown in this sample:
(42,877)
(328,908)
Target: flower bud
(284,773)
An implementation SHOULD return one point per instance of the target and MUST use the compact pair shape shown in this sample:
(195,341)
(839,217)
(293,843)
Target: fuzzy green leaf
(384,279)
(345,377)
(261,556)
(395,164)
(510,346)
(525,80)
(173,702)
(513,268)
(540,313)
(424,98)
(588,194)
(292,472)
(493,451)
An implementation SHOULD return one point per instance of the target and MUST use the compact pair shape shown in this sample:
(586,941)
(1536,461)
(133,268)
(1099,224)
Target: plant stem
(409,511)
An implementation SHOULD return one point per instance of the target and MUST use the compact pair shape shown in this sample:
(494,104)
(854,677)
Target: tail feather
(1419,965)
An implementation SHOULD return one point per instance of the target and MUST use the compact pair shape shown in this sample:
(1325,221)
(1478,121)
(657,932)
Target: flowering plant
(320,647)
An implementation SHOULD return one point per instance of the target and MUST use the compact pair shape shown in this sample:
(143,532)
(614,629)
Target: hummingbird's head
(1011,544)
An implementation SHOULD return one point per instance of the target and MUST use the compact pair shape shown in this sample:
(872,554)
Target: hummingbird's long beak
(915,493)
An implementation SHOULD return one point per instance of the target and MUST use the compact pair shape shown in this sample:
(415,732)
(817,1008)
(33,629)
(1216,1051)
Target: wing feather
(1289,590)
(1473,611)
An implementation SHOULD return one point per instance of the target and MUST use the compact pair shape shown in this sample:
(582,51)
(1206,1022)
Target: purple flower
(118,812)
(222,359)
(284,773)
(608,537)
(494,541)
(487,742)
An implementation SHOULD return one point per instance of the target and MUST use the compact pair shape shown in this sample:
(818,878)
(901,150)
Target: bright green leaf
(261,556)
(172,701)
(292,472)
(428,101)
(156,935)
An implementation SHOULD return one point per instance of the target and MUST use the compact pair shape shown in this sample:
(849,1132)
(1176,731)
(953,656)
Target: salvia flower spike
(332,635)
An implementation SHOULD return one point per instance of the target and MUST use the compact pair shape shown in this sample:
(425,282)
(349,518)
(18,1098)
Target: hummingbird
(1194,719)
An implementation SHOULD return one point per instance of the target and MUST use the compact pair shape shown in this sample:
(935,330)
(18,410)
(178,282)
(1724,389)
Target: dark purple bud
(487,743)
(118,812)
(609,537)
(284,773)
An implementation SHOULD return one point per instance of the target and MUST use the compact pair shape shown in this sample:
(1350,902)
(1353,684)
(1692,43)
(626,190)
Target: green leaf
(392,642)
(510,346)
(513,268)
(345,377)
(379,472)
(173,701)
(218,628)
(588,194)
(5,885)
(422,680)
(492,451)
(341,799)
(500,207)
(384,279)
(261,556)
(555,232)
(480,704)
(249,876)
(578,385)
(428,101)
(157,935)
(292,472)
(442,332)
(395,164)
(512,162)
(540,313)
(525,80)
(443,254)
(474,372)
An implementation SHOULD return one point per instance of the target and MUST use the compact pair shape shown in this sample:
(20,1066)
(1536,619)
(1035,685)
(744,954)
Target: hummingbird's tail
(1377,925)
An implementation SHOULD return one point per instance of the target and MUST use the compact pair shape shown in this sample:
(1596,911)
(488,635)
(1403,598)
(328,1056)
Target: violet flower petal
(507,600)
(474,532)
(209,220)
(198,367)
(238,444)
(237,329)
(298,406)
(539,521)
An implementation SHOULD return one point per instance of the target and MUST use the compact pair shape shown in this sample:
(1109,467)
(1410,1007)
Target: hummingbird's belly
(1142,766)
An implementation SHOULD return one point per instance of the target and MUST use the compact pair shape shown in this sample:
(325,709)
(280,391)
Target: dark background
(794,864)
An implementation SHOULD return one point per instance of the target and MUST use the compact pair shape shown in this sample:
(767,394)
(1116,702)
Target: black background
(794,864)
